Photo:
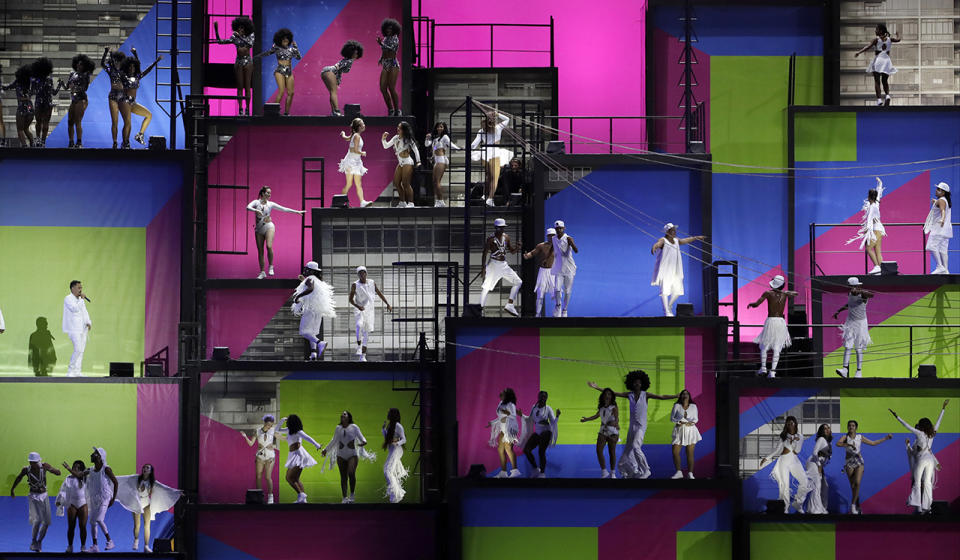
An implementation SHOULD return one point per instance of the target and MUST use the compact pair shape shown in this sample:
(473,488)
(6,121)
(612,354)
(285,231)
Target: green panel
(484,543)
(63,421)
(109,261)
(748,107)
(825,137)
(659,352)
(704,545)
(869,409)
(319,404)
(793,541)
(889,355)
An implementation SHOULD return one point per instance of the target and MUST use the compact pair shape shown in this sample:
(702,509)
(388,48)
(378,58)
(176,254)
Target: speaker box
(939,508)
(157,143)
(256,497)
(889,268)
(340,201)
(556,147)
(516,199)
(352,110)
(477,471)
(684,310)
(797,315)
(121,369)
(775,506)
(926,371)
(163,545)
(271,110)
(220,353)
(153,369)
(472,311)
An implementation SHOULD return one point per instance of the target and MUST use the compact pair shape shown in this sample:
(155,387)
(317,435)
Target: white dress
(506,423)
(99,492)
(316,305)
(135,497)
(264,441)
(668,270)
(490,150)
(299,457)
(881,62)
(346,443)
(352,163)
(855,331)
(608,425)
(393,470)
(870,225)
(819,489)
(633,463)
(263,225)
(939,235)
(364,296)
(685,434)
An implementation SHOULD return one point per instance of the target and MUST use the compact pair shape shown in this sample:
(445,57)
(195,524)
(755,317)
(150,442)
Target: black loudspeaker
(352,110)
(271,110)
(477,472)
(797,315)
(926,371)
(256,497)
(516,199)
(889,268)
(121,369)
(163,545)
(939,508)
(153,369)
(684,310)
(220,353)
(472,311)
(340,201)
(775,506)
(157,143)
(556,147)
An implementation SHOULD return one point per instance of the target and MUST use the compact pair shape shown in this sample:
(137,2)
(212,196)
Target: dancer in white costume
(872,232)
(393,470)
(633,463)
(685,432)
(668,270)
(788,464)
(545,277)
(493,156)
(312,301)
(101,485)
(855,330)
(405,147)
(924,463)
(38,504)
(346,449)
(143,496)
(881,66)
(298,458)
(853,465)
(72,500)
(774,337)
(77,325)
(363,294)
(541,432)
(822,451)
(497,269)
(564,268)
(266,443)
(264,230)
(351,165)
(938,224)
(506,430)
(440,144)
(609,434)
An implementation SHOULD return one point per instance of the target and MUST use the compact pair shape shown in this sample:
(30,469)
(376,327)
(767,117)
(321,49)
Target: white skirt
(546,282)
(856,335)
(492,152)
(39,509)
(938,243)
(774,334)
(881,64)
(365,319)
(686,435)
(509,428)
(300,458)
(352,164)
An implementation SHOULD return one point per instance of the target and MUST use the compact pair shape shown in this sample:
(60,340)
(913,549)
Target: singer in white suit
(76,323)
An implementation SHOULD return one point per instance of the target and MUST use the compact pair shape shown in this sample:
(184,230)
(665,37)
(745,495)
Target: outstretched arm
(149,68)
(593,385)
(269,51)
(757,303)
(866,48)
(662,397)
(656,246)
(288,210)
(688,240)
(23,472)
(305,436)
(589,418)
(877,442)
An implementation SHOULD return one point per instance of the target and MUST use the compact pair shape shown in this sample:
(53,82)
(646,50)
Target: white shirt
(638,409)
(397,434)
(365,293)
(856,308)
(543,418)
(400,145)
(301,435)
(266,209)
(490,138)
(443,143)
(563,264)
(821,445)
(677,414)
(75,316)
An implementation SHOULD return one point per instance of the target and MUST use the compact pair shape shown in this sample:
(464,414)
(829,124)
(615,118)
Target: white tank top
(365,292)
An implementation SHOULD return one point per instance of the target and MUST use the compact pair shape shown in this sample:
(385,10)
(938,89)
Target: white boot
(678,474)
(604,473)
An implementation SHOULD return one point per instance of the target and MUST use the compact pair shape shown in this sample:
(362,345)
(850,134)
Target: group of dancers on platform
(538,430)
(345,450)
(87,493)
(811,493)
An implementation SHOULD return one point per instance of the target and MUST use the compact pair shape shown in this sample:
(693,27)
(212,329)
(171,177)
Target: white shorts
(405,161)
(365,318)
(441,159)
(38,509)
(564,282)
(938,243)
(546,282)
(497,271)
(264,228)
(98,509)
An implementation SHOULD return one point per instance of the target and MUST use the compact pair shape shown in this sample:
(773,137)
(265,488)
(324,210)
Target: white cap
(312,265)
(500,222)
(102,452)
(361,268)
(559,223)
(853,281)
(551,231)
(669,226)
(269,417)
(34,457)
(777,282)
(943,186)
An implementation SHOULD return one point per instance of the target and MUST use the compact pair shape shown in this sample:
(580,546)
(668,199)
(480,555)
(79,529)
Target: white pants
(633,463)
(563,290)
(788,465)
(818,490)
(921,494)
(79,340)
(394,472)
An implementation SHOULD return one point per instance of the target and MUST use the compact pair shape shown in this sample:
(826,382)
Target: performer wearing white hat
(564,268)
(668,270)
(545,278)
(76,323)
(497,268)
(102,486)
(312,301)
(855,331)
(938,225)
(38,503)
(774,336)
(362,294)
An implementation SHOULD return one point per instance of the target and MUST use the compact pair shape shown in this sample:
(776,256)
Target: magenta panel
(163,281)
(869,541)
(158,429)
(236,317)
(222,12)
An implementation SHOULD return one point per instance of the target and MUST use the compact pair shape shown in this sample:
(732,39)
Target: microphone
(86,298)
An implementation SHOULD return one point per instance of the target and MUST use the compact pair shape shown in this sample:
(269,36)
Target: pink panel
(158,430)
(668,74)
(750,293)
(236,317)
(869,541)
(892,498)
(222,107)
(224,54)
(227,466)
(162,310)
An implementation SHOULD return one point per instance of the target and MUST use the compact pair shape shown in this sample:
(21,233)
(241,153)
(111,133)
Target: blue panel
(96,120)
(750,30)
(350,375)
(85,193)
(580,460)
(210,548)
(476,337)
(563,508)
(771,407)
(615,240)
(719,518)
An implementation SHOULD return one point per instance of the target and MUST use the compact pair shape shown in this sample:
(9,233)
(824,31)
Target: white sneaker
(501,474)
(35,546)
(564,313)
(321,346)
(668,314)
(359,351)
(262,275)
(91,548)
(365,203)
(604,473)
(363,358)
(515,473)
(879,101)
(490,202)
(690,475)
(772,375)
(136,544)
(613,474)
(109,545)
(345,500)
(270,272)
(541,475)
(352,498)
(939,270)
(270,499)
(762,371)
(411,205)
(678,474)
(842,372)
(313,356)
(511,309)
(875,270)
(69,549)
(858,374)
(644,476)
(147,548)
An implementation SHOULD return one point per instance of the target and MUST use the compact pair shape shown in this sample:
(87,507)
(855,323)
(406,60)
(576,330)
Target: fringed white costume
(685,430)
(818,482)
(633,463)
(870,227)
(346,443)
(788,464)
(540,420)
(393,470)
(99,490)
(924,467)
(351,163)
(316,305)
(299,457)
(507,424)
(668,270)
(135,496)
(855,331)
(774,335)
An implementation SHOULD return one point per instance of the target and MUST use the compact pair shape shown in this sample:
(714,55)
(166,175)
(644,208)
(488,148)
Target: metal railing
(425,46)
(638,138)
(305,170)
(920,236)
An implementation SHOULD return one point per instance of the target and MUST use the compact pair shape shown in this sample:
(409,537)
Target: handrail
(304,198)
(866,266)
(611,119)
(426,41)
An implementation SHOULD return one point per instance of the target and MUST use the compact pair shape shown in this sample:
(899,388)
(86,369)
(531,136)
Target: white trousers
(921,494)
(633,463)
(563,291)
(79,340)
(788,465)
(818,490)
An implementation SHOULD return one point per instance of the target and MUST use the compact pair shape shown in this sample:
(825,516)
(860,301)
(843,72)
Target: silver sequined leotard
(44,92)
(241,42)
(24,104)
(340,68)
(77,84)
(389,45)
(284,53)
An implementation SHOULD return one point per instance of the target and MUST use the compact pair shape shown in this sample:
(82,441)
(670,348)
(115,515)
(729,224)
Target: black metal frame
(430,45)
